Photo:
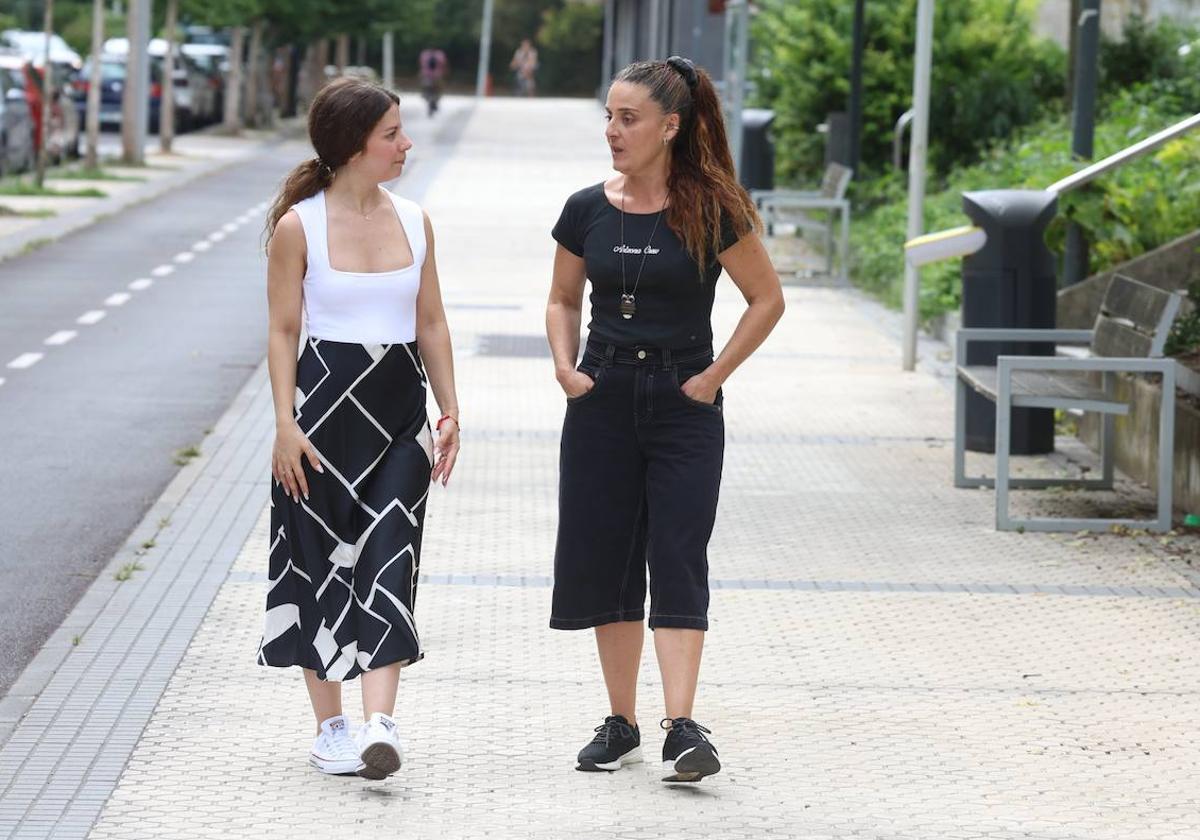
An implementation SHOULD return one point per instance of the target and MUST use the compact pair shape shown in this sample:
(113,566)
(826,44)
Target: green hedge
(1128,212)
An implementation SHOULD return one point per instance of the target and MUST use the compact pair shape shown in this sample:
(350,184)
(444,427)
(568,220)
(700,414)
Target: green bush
(990,75)
(1129,211)
(569,43)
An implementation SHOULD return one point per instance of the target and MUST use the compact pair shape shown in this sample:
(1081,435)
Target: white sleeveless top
(360,307)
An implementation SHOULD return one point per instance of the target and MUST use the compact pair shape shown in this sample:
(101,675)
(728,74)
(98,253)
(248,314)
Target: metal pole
(1083,127)
(135,105)
(389,60)
(737,20)
(858,40)
(485,48)
(917,153)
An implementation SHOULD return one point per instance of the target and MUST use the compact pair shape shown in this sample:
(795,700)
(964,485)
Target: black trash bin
(758,149)
(1010,282)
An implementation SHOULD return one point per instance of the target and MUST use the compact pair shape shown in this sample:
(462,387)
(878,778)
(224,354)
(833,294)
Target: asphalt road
(89,429)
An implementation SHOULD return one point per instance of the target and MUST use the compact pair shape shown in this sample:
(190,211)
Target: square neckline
(396,211)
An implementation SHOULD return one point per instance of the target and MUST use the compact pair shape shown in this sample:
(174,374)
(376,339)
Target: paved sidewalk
(882,664)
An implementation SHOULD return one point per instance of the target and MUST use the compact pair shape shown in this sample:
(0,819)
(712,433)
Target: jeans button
(641,354)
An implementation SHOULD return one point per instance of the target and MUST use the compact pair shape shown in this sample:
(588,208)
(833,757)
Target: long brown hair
(340,120)
(702,184)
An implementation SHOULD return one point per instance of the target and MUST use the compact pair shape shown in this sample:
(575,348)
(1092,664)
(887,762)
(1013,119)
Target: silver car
(17,152)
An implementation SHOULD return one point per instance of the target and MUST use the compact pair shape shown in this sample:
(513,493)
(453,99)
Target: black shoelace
(687,728)
(604,732)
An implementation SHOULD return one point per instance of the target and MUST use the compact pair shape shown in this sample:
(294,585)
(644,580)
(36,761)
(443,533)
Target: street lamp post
(485,48)
(856,83)
(917,153)
(737,41)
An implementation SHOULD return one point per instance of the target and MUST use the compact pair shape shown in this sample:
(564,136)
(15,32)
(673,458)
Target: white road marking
(60,337)
(185,257)
(163,270)
(217,236)
(202,245)
(1,380)
(141,284)
(117,299)
(91,317)
(229,227)
(25,360)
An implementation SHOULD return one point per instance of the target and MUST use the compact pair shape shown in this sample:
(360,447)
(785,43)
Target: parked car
(62,132)
(112,91)
(33,46)
(66,129)
(17,150)
(195,99)
(213,62)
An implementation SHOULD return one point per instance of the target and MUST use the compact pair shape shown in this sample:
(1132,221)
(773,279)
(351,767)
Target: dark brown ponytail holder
(684,67)
(323,168)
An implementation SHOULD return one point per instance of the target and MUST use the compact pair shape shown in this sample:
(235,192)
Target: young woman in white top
(354,454)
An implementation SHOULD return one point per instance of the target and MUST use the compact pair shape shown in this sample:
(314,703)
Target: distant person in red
(433,66)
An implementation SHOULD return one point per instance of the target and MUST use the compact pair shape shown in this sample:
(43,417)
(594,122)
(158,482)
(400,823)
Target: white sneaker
(380,750)
(334,750)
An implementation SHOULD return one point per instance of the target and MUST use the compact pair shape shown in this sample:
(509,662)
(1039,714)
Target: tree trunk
(343,53)
(233,82)
(291,85)
(93,94)
(166,119)
(47,90)
(254,74)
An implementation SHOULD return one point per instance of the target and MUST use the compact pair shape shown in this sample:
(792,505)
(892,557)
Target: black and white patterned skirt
(344,563)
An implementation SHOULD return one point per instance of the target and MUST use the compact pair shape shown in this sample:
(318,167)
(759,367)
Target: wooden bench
(1128,337)
(793,206)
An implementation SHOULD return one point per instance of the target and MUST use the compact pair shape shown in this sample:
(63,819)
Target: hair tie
(684,67)
(324,168)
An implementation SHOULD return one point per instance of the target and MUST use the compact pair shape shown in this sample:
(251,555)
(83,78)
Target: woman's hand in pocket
(576,384)
(701,388)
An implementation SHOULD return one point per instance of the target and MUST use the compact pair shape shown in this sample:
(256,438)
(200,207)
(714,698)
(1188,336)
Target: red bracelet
(443,419)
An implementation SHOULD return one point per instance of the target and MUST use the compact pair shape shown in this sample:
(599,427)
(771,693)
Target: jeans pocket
(681,374)
(593,372)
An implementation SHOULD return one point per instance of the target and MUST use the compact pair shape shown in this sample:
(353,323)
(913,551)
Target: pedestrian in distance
(354,455)
(433,68)
(524,65)
(643,436)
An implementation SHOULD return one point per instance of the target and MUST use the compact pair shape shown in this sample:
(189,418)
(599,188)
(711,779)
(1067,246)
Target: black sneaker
(615,745)
(688,756)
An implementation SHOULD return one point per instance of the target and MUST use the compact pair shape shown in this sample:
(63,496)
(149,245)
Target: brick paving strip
(882,664)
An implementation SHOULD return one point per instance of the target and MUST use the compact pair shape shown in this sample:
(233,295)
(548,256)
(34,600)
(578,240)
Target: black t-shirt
(674,303)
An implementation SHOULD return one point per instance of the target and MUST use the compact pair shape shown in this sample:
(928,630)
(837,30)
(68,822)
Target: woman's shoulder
(588,197)
(303,204)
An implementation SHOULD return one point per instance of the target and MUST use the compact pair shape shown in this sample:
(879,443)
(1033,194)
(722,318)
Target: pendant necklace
(628,306)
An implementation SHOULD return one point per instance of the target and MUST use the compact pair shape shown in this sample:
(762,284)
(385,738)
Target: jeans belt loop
(610,352)
(666,358)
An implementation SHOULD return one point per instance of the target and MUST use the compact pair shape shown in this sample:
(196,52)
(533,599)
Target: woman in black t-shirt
(643,438)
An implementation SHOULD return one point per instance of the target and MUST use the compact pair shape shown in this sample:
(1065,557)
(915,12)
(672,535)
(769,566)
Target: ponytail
(705,195)
(305,181)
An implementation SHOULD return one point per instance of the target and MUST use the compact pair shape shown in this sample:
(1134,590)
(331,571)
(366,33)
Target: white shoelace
(339,745)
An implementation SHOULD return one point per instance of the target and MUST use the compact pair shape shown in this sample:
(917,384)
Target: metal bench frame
(788,205)
(1006,401)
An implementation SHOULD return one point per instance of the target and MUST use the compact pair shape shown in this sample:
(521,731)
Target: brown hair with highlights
(340,119)
(702,184)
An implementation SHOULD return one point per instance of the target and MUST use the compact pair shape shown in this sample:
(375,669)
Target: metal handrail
(898,138)
(1083,176)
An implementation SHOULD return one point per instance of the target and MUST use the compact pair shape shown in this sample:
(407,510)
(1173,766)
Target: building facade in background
(655,29)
